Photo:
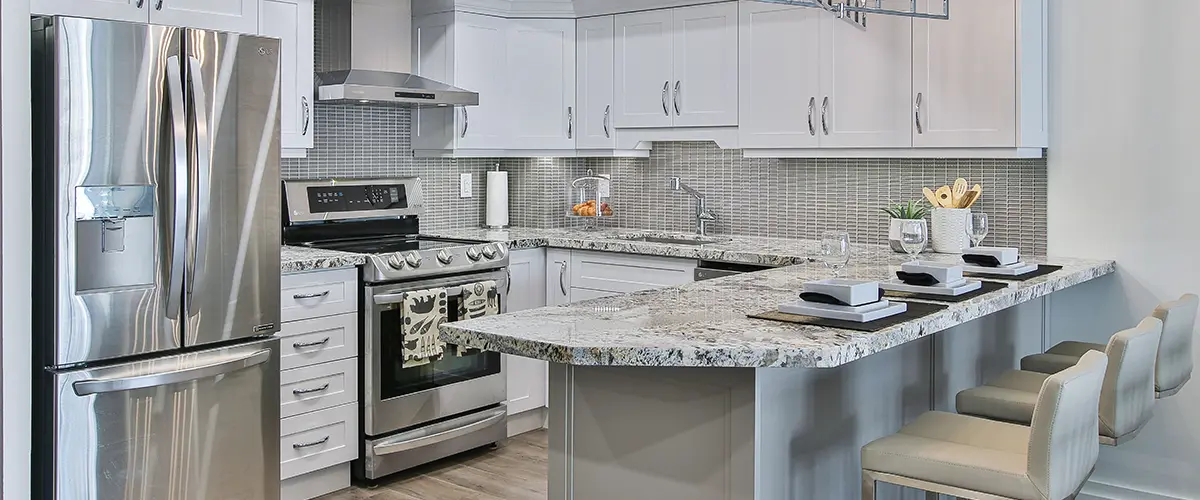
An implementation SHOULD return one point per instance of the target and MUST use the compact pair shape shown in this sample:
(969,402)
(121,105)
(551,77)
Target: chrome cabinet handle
(917,114)
(307,115)
(607,109)
(508,277)
(570,122)
(158,6)
(301,392)
(100,386)
(824,112)
(302,296)
(666,85)
(180,207)
(140,3)
(466,122)
(562,271)
(302,345)
(297,446)
(812,106)
(676,97)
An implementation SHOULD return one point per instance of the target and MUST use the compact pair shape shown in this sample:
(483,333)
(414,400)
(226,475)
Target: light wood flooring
(516,470)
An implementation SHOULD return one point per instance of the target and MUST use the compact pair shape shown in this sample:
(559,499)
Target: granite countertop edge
(294,259)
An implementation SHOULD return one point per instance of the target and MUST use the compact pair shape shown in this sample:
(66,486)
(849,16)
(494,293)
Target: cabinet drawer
(317,440)
(627,273)
(317,387)
(324,293)
(318,340)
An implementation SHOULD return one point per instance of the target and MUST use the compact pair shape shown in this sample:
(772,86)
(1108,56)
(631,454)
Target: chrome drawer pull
(302,345)
(300,392)
(297,446)
(302,296)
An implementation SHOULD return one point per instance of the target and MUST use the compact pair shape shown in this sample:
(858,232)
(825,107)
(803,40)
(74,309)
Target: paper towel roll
(497,199)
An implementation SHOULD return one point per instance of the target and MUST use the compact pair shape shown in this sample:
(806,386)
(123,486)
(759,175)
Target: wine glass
(977,230)
(835,250)
(913,235)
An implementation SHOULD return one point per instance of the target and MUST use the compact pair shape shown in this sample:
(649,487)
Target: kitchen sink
(674,240)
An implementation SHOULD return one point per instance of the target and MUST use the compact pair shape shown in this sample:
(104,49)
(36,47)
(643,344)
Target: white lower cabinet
(318,382)
(576,275)
(526,376)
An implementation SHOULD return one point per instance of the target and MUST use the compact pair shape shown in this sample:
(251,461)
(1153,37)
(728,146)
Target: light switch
(464,185)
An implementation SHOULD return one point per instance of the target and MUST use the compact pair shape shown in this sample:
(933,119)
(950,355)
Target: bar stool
(976,458)
(1126,396)
(1173,365)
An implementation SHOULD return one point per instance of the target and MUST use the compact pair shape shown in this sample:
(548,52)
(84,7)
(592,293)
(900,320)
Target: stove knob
(489,251)
(444,257)
(473,253)
(501,250)
(396,262)
(413,259)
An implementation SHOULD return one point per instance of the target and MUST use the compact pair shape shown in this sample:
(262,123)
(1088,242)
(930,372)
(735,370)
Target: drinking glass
(835,250)
(913,235)
(977,230)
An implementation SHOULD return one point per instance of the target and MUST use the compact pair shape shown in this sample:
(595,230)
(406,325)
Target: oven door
(395,397)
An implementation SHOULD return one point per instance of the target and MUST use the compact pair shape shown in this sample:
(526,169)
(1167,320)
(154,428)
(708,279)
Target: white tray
(900,286)
(802,308)
(1010,270)
(865,308)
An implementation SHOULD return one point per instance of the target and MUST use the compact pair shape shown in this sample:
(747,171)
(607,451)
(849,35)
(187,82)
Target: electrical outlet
(464,185)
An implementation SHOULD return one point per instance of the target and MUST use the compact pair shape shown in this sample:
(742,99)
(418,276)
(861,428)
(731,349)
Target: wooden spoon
(933,201)
(978,191)
(945,197)
(959,190)
(968,199)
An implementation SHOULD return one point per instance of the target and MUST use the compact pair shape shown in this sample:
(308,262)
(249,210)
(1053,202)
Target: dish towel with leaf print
(478,300)
(423,311)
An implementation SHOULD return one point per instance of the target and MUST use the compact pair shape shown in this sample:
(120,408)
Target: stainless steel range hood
(374,71)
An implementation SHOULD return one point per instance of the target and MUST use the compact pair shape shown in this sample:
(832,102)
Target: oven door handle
(408,441)
(398,297)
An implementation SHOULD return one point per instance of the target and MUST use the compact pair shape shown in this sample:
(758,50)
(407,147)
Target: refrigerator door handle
(87,387)
(199,237)
(179,209)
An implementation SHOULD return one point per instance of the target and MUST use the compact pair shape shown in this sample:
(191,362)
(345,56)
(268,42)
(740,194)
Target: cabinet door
(964,73)
(480,65)
(778,101)
(594,83)
(526,377)
(541,80)
(235,16)
(134,11)
(866,83)
(705,90)
(558,277)
(644,69)
(291,21)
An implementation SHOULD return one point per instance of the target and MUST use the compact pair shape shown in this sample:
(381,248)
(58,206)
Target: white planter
(894,234)
(950,229)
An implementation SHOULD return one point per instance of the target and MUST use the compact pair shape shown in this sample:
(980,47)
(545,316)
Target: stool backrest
(1128,392)
(1062,438)
(1174,366)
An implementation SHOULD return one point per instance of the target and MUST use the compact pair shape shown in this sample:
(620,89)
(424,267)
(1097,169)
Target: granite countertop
(300,259)
(704,324)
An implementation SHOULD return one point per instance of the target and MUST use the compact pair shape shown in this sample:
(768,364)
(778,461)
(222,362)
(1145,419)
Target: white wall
(1125,184)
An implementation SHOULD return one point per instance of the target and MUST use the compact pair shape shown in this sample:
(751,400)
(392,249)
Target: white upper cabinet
(866,81)
(779,95)
(136,11)
(677,67)
(644,69)
(237,16)
(291,21)
(481,65)
(594,83)
(705,89)
(541,69)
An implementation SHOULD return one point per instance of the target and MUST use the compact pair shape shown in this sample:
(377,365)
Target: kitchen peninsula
(676,394)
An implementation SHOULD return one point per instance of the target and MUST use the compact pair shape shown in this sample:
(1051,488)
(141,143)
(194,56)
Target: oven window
(395,380)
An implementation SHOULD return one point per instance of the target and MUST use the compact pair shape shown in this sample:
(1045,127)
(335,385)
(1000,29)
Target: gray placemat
(1042,270)
(915,310)
(986,287)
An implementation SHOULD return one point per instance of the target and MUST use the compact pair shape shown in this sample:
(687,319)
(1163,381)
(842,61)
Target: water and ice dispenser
(114,237)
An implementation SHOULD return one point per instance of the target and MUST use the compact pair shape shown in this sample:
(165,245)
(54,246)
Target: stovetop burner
(387,244)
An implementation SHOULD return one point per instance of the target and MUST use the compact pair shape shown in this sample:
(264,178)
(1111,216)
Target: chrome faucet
(703,215)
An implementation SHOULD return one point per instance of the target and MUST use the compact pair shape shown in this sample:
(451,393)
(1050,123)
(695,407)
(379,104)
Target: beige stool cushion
(1010,397)
(1059,358)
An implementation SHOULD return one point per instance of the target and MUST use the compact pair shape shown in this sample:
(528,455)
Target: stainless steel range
(413,411)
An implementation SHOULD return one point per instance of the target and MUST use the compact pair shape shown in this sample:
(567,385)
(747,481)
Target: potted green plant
(912,210)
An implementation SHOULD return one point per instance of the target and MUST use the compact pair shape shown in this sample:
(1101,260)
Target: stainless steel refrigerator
(157,233)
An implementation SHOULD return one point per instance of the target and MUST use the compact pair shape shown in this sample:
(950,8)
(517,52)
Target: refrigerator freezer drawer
(187,427)
(317,440)
(312,295)
(318,340)
(317,387)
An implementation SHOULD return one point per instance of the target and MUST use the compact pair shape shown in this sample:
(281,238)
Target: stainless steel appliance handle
(396,298)
(86,387)
(466,122)
(203,186)
(302,345)
(666,85)
(302,296)
(297,446)
(307,114)
(301,392)
(917,114)
(179,208)
(607,109)
(824,112)
(676,96)
(402,444)
(562,271)
(812,106)
(570,122)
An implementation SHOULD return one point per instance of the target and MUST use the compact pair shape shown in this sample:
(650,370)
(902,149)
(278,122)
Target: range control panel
(349,198)
(329,200)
